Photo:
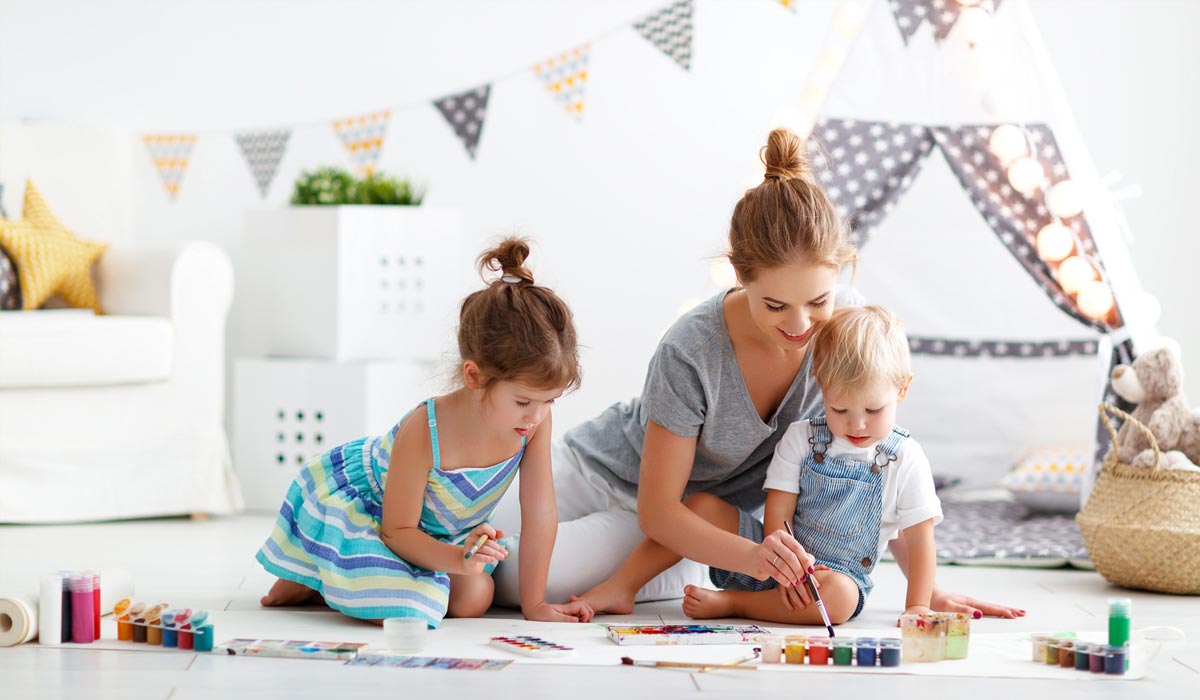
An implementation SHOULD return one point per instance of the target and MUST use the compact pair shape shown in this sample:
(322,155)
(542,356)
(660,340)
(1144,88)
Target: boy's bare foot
(607,597)
(286,592)
(705,604)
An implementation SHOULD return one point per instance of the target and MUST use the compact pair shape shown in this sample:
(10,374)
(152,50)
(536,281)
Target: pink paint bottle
(83,628)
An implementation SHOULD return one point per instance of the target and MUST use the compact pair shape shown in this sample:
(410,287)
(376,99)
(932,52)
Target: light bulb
(976,24)
(1065,199)
(1055,242)
(1074,272)
(1026,175)
(1095,299)
(722,274)
(1008,143)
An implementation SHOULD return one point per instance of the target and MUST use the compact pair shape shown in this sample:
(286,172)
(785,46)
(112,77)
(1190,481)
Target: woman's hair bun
(784,155)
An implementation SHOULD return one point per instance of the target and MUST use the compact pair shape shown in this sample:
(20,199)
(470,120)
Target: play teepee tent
(939,128)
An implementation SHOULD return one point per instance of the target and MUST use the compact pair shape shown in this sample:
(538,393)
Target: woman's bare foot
(286,592)
(608,597)
(705,604)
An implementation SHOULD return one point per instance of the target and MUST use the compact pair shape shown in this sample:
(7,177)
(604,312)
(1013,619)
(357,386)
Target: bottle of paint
(50,610)
(889,652)
(793,648)
(1118,621)
(867,649)
(772,645)
(958,634)
(95,600)
(204,638)
(818,650)
(1083,652)
(124,627)
(83,630)
(1116,660)
(67,626)
(1066,653)
(170,637)
(183,627)
(843,651)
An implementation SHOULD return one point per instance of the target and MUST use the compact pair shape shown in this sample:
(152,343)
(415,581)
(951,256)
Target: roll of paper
(18,619)
(50,610)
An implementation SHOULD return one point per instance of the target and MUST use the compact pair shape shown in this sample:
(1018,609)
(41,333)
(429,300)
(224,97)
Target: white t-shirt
(908,494)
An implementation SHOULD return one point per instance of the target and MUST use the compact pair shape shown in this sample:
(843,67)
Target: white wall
(626,206)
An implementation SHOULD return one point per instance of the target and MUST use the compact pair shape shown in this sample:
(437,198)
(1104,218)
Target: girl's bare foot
(286,592)
(705,604)
(607,597)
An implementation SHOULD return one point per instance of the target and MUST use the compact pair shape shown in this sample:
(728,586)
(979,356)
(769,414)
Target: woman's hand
(952,602)
(575,611)
(491,551)
(782,558)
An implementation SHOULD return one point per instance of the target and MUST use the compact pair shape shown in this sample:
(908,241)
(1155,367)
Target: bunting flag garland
(566,76)
(363,138)
(865,167)
(465,113)
(942,14)
(670,29)
(170,153)
(263,151)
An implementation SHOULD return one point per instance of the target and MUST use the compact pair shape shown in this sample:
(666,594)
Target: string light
(1074,273)
(1008,143)
(1055,242)
(1065,199)
(1095,299)
(1026,175)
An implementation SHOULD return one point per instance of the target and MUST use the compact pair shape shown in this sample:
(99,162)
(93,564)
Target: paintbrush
(733,665)
(735,662)
(812,590)
(478,544)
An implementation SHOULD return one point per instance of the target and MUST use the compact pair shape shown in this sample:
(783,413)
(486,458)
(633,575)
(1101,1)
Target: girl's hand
(950,602)
(491,551)
(782,558)
(575,611)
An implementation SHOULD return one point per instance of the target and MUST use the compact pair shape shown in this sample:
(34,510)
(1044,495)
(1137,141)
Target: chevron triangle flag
(263,150)
(670,29)
(363,138)
(170,153)
(465,112)
(566,76)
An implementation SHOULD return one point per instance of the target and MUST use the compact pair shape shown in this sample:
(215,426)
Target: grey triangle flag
(670,29)
(865,167)
(465,112)
(3,214)
(941,14)
(263,151)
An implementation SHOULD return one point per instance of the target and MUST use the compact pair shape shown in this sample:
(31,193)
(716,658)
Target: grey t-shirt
(694,388)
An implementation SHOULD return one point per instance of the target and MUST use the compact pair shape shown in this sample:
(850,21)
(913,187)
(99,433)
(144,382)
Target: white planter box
(354,282)
(288,410)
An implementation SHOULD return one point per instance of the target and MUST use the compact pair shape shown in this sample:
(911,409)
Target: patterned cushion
(997,532)
(10,287)
(1050,477)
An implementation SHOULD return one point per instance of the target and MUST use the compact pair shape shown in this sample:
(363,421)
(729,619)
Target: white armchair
(121,415)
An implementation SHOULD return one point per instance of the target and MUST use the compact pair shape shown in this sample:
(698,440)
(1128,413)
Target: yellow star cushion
(49,258)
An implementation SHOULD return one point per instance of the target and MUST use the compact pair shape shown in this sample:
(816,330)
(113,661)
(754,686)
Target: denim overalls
(838,512)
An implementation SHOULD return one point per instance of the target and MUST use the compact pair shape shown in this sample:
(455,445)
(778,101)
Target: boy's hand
(575,611)
(918,610)
(491,551)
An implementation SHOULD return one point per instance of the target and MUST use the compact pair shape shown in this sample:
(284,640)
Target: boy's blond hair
(859,346)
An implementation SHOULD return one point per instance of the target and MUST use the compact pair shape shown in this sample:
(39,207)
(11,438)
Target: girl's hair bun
(784,156)
(508,258)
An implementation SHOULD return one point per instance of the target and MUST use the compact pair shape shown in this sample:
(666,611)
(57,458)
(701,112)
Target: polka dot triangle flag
(865,167)
(566,76)
(170,153)
(465,112)
(363,138)
(670,29)
(941,15)
(263,150)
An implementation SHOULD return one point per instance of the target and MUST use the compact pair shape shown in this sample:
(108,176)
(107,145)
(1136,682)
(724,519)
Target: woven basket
(1142,526)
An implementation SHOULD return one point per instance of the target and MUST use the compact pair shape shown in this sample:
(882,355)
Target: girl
(391,526)
(724,383)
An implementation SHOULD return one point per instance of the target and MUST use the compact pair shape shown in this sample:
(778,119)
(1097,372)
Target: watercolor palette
(289,648)
(659,635)
(532,646)
(445,663)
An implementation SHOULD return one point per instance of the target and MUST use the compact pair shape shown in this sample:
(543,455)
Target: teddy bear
(1155,383)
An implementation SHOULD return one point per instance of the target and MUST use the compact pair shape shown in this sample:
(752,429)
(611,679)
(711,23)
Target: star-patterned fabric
(49,258)
(465,112)
(670,29)
(1032,350)
(263,150)
(941,14)
(865,167)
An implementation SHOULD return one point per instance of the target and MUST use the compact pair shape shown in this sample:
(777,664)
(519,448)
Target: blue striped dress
(327,533)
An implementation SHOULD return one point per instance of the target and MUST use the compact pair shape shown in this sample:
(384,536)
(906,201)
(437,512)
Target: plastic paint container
(958,634)
(83,630)
(772,648)
(1052,649)
(1116,659)
(186,637)
(1038,643)
(1066,653)
(204,638)
(923,638)
(154,632)
(1096,658)
(1118,621)
(843,652)
(170,636)
(1082,655)
(793,648)
(889,652)
(139,630)
(867,649)
(818,650)
(404,634)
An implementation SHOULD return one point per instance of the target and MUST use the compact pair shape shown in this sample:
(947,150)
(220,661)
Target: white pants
(597,530)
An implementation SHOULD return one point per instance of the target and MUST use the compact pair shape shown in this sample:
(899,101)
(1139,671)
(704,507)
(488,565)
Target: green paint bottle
(1118,623)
